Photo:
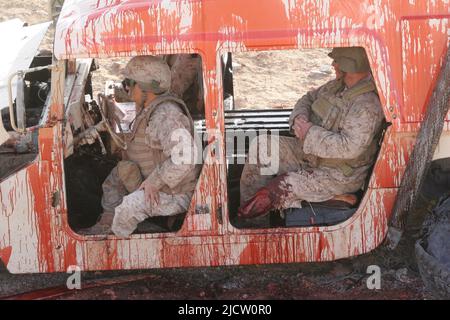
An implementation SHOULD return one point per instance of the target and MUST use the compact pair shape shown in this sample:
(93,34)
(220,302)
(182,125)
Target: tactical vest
(147,158)
(329,111)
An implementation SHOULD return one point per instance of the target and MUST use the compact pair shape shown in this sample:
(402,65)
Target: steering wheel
(119,141)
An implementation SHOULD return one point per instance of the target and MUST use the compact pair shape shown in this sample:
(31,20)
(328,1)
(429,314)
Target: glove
(265,200)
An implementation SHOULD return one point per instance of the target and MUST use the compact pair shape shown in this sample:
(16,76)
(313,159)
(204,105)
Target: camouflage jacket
(351,138)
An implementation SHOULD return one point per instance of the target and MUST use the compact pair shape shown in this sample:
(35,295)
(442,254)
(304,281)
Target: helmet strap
(143,99)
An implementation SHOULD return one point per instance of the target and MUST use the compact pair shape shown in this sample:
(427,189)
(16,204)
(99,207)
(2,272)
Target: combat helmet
(351,59)
(151,73)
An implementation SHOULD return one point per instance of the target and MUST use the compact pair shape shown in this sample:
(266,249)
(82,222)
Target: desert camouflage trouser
(132,208)
(302,182)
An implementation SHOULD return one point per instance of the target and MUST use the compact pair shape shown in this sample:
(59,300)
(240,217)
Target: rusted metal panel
(35,237)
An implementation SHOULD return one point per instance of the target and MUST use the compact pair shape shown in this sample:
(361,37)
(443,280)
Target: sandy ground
(277,79)
(31,12)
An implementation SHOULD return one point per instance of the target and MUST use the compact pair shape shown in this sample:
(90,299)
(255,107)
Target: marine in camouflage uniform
(187,80)
(334,154)
(149,154)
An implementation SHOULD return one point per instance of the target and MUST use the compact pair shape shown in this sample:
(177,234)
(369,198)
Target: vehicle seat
(340,201)
(161,224)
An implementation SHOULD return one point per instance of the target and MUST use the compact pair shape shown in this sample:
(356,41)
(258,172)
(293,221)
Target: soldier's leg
(264,162)
(311,185)
(113,191)
(123,179)
(135,209)
(287,191)
(184,69)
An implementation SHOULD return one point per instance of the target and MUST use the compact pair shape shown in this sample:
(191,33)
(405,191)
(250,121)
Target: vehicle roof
(103,28)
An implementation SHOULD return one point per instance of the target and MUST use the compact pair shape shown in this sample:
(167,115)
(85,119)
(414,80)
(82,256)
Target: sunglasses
(128,84)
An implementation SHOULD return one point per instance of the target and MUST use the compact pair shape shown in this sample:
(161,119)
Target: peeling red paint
(42,212)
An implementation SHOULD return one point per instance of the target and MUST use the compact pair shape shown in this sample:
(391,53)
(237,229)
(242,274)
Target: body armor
(147,158)
(329,112)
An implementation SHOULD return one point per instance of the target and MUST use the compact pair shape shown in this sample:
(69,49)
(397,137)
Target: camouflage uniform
(187,81)
(151,148)
(337,151)
(185,69)
(176,182)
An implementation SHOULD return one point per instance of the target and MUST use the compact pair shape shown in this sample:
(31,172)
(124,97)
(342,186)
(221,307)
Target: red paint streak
(426,16)
(39,187)
(324,247)
(12,197)
(5,254)
(70,253)
(112,258)
(180,255)
(240,36)
(251,254)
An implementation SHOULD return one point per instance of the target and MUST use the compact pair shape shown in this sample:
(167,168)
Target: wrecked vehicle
(53,188)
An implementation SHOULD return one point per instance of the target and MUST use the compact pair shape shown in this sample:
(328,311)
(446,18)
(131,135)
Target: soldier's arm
(184,72)
(303,106)
(169,131)
(359,128)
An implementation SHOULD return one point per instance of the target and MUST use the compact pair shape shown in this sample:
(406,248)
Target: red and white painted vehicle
(406,42)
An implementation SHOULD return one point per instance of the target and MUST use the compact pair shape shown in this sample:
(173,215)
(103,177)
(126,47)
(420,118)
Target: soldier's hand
(301,117)
(151,193)
(301,127)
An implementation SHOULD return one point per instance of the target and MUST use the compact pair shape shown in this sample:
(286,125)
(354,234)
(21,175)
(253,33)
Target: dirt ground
(261,80)
(343,280)
(277,79)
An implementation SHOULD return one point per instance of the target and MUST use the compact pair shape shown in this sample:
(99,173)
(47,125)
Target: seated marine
(151,180)
(336,131)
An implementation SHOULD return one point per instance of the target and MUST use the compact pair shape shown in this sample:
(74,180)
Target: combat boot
(102,227)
